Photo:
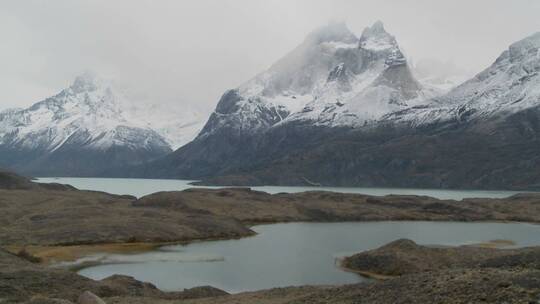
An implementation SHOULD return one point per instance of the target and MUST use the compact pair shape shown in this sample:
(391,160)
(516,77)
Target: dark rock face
(400,78)
(227,103)
(499,153)
(76,160)
(495,154)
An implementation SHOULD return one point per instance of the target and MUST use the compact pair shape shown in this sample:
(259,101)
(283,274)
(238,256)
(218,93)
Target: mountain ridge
(81,131)
(428,142)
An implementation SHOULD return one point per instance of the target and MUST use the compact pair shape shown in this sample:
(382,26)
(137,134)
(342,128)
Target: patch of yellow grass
(495,244)
(52,254)
(340,262)
(370,275)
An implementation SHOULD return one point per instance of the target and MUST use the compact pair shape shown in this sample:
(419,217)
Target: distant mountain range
(337,110)
(88,128)
(347,111)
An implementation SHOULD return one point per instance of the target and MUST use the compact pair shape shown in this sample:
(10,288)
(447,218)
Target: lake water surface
(293,253)
(285,254)
(141,187)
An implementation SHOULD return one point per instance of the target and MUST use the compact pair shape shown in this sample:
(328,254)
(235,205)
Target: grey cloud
(190,52)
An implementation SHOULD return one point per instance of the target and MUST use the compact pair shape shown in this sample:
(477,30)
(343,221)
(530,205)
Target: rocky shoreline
(59,222)
(514,274)
(22,281)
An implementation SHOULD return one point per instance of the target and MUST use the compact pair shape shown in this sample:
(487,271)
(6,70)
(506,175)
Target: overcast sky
(190,52)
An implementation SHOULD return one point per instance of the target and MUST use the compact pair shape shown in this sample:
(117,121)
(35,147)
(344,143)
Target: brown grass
(367,274)
(52,254)
(495,244)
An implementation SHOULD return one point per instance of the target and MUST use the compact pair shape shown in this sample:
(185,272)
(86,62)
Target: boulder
(89,298)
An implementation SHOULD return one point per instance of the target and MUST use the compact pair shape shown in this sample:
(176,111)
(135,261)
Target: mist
(189,52)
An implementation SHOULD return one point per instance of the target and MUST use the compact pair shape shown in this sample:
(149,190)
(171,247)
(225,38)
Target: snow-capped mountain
(348,111)
(333,78)
(88,113)
(89,117)
(373,79)
(510,85)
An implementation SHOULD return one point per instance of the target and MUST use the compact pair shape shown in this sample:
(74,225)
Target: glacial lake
(141,187)
(293,253)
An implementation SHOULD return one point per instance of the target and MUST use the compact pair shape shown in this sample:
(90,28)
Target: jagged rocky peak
(400,78)
(376,38)
(308,65)
(331,78)
(509,86)
(365,82)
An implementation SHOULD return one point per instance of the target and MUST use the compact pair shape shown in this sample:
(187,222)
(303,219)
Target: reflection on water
(141,187)
(163,256)
(294,253)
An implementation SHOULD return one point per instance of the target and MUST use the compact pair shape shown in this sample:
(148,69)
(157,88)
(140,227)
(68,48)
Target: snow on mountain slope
(440,75)
(278,129)
(174,123)
(286,87)
(333,78)
(511,84)
(355,96)
(92,114)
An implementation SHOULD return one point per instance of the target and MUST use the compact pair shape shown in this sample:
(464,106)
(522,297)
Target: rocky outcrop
(88,297)
(403,257)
